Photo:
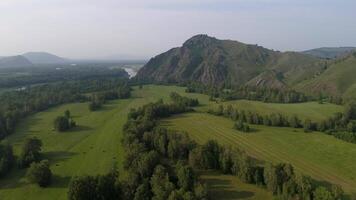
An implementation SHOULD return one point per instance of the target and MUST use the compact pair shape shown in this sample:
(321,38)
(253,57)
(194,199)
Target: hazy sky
(143,28)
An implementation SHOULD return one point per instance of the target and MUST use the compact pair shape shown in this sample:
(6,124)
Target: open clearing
(94,146)
(316,154)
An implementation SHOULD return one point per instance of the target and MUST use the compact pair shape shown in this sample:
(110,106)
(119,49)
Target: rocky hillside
(224,62)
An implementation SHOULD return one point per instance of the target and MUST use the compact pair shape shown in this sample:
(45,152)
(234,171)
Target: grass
(91,148)
(310,110)
(323,157)
(230,187)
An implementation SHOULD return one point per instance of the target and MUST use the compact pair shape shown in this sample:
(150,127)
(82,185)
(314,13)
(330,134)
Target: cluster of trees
(242,116)
(156,162)
(39,173)
(30,156)
(16,105)
(250,93)
(241,126)
(65,122)
(265,95)
(341,125)
(178,99)
(280,178)
(99,98)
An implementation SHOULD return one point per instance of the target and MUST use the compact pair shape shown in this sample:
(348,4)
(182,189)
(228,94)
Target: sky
(135,29)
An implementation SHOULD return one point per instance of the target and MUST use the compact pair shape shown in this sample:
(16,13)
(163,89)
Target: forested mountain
(44,58)
(330,52)
(228,63)
(14,61)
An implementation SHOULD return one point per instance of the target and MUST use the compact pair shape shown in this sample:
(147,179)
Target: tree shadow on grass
(56,157)
(13,179)
(79,128)
(59,181)
(222,189)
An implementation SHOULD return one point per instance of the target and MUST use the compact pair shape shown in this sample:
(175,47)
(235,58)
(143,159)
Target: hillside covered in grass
(211,61)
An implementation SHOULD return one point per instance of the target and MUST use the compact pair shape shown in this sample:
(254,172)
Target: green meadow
(321,156)
(94,147)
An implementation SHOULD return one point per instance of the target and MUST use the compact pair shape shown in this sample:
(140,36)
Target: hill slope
(338,79)
(44,58)
(330,52)
(14,61)
(224,62)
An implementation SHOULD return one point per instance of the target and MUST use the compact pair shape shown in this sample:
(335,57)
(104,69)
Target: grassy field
(94,146)
(91,148)
(316,154)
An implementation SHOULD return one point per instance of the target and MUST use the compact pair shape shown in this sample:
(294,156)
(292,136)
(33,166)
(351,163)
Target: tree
(160,184)
(40,173)
(82,188)
(143,191)
(65,122)
(321,193)
(350,111)
(307,125)
(294,122)
(186,178)
(6,158)
(30,152)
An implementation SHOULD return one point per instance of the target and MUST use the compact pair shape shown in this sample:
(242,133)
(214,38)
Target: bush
(40,173)
(30,152)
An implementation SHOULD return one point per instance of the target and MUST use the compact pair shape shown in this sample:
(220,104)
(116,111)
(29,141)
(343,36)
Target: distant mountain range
(44,58)
(330,52)
(14,61)
(211,61)
(32,58)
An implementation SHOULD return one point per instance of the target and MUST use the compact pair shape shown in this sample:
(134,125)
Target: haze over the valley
(126,29)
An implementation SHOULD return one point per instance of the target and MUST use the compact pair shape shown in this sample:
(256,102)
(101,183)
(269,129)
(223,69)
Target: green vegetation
(39,173)
(230,187)
(93,147)
(318,155)
(64,123)
(337,80)
(308,110)
(227,63)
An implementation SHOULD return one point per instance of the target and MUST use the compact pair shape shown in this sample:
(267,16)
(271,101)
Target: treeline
(16,105)
(99,98)
(185,101)
(279,179)
(341,125)
(249,93)
(12,77)
(156,162)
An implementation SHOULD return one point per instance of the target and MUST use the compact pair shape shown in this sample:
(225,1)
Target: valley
(95,145)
